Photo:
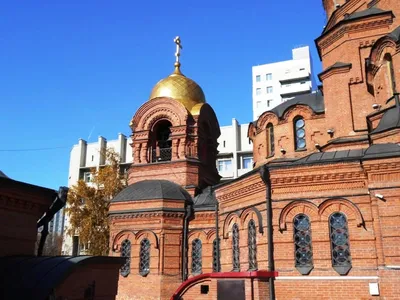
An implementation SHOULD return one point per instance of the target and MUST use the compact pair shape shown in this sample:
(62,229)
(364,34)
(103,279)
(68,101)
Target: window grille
(235,248)
(215,256)
(252,244)
(270,139)
(196,256)
(126,252)
(302,242)
(339,236)
(144,257)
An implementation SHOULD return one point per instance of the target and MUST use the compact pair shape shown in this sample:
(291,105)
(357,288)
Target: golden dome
(180,88)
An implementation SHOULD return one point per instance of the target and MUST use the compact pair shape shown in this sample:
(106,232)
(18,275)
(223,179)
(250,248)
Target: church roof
(205,200)
(153,189)
(372,152)
(336,65)
(390,120)
(314,100)
(365,13)
(31,277)
(395,34)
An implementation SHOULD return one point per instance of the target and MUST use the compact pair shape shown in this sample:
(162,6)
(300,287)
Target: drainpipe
(217,231)
(58,203)
(265,175)
(188,214)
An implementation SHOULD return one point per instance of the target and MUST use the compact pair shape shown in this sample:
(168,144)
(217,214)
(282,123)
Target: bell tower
(174,134)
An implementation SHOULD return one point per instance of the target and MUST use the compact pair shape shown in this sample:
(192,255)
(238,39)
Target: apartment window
(259,104)
(269,90)
(300,133)
(87,176)
(302,244)
(225,165)
(339,236)
(302,69)
(268,76)
(303,82)
(247,162)
(269,102)
(258,78)
(258,91)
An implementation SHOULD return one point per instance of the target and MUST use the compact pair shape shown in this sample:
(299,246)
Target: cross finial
(177,41)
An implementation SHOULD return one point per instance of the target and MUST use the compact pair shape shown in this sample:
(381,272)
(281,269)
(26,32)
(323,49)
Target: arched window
(339,236)
(390,72)
(270,140)
(300,133)
(215,256)
(144,257)
(161,144)
(302,243)
(126,252)
(235,248)
(196,256)
(252,244)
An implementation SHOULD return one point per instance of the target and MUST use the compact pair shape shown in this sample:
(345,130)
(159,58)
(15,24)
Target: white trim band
(393,267)
(327,278)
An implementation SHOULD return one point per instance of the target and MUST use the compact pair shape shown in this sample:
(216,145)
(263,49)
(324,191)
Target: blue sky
(70,66)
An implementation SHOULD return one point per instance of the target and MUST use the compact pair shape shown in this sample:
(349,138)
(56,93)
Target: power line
(33,149)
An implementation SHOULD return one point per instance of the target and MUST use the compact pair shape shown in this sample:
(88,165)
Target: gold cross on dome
(177,41)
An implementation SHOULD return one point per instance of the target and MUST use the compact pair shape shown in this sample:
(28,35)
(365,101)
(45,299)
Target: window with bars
(126,252)
(235,248)
(270,139)
(339,236)
(252,244)
(215,256)
(144,257)
(300,133)
(302,244)
(196,256)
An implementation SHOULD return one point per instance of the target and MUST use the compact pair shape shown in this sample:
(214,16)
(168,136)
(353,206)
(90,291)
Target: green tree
(87,204)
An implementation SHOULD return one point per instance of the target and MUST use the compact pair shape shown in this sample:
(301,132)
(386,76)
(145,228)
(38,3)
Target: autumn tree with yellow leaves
(87,204)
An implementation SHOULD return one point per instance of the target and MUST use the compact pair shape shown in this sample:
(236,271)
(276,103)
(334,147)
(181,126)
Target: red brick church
(317,218)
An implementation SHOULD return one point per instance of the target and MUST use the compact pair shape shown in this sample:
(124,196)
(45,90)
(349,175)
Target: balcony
(161,154)
(295,89)
(295,76)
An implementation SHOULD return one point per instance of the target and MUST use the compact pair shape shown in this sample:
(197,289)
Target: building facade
(274,83)
(319,212)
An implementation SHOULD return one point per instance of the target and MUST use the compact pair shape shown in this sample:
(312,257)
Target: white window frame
(247,157)
(222,160)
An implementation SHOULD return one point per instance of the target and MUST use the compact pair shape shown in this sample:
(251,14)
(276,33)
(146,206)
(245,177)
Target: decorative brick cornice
(146,215)
(205,215)
(330,37)
(241,192)
(21,204)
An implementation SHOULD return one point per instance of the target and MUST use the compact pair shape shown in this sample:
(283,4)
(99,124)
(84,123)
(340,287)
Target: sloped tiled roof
(153,189)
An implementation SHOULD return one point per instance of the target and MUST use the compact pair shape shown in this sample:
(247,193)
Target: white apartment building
(277,82)
(235,156)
